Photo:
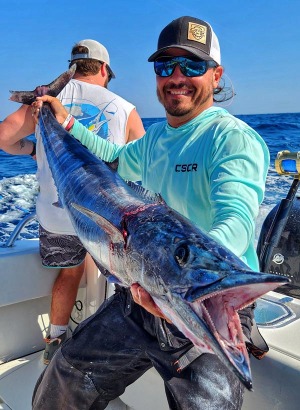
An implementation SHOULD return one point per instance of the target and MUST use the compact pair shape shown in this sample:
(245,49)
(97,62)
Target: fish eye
(182,254)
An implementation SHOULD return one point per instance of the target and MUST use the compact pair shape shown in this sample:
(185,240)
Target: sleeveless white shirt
(102,112)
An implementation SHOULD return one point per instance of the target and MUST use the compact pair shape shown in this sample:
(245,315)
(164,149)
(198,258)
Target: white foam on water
(17,199)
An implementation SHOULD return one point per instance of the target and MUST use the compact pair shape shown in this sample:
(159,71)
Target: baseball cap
(190,34)
(96,51)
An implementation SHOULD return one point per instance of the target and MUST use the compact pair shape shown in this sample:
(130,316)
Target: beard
(177,108)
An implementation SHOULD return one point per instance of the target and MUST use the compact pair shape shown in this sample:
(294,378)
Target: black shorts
(118,344)
(60,251)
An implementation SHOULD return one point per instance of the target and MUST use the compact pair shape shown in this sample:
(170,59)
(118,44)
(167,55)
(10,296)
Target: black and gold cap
(190,34)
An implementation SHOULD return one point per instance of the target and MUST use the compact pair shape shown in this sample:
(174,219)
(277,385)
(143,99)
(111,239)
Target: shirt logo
(186,167)
(197,32)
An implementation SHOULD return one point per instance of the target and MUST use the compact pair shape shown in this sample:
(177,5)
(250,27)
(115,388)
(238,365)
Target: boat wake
(17,199)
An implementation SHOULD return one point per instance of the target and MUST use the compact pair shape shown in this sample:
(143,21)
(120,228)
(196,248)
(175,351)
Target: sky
(259,39)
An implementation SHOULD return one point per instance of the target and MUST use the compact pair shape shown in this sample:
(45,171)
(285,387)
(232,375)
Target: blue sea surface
(18,185)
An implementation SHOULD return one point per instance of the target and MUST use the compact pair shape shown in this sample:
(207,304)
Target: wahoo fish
(136,237)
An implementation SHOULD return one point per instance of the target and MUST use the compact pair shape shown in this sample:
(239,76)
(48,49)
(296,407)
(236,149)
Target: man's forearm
(105,150)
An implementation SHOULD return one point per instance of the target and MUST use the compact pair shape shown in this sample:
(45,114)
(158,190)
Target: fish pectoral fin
(113,232)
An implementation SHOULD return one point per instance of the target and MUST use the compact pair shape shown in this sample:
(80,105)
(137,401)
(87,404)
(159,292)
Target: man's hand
(58,109)
(143,298)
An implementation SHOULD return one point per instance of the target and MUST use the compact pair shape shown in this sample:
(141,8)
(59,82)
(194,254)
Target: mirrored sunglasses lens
(164,68)
(193,68)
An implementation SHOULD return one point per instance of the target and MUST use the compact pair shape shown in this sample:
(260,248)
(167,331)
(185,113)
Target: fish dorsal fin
(145,193)
(113,232)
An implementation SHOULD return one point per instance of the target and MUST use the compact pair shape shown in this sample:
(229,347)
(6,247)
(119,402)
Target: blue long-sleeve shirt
(212,170)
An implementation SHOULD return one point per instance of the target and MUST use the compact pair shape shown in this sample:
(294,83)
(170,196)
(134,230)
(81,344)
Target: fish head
(206,298)
(201,286)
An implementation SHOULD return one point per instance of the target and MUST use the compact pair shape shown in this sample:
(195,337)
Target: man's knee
(62,386)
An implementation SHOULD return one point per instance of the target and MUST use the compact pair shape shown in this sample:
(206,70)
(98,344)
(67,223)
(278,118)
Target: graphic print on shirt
(94,118)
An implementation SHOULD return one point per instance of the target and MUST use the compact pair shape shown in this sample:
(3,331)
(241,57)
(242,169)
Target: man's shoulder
(229,128)
(221,117)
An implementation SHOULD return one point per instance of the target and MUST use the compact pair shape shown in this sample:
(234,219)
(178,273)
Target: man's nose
(177,73)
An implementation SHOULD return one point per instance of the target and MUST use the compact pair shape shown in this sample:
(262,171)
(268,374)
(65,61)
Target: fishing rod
(286,163)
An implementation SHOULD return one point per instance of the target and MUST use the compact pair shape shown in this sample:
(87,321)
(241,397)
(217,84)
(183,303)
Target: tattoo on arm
(22,143)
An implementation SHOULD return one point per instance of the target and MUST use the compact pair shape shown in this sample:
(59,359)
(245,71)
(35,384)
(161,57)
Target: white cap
(96,51)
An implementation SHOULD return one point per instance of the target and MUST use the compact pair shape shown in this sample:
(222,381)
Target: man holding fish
(208,166)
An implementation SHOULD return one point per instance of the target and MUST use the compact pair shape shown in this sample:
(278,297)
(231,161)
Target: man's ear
(217,73)
(103,70)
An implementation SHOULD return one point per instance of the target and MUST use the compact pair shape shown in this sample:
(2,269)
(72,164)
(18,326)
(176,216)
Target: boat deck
(24,317)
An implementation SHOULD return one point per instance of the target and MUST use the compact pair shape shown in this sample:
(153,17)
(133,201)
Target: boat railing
(16,232)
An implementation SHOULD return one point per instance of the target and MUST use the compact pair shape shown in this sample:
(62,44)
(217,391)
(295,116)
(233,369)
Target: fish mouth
(220,315)
(216,323)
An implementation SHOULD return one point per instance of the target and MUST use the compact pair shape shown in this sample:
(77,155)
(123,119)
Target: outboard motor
(278,246)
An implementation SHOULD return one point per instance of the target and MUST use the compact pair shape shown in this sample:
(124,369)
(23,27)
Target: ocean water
(18,185)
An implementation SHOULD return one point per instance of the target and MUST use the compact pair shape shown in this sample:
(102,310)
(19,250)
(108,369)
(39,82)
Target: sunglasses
(165,66)
(109,73)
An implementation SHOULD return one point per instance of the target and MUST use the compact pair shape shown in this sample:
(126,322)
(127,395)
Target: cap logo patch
(197,32)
